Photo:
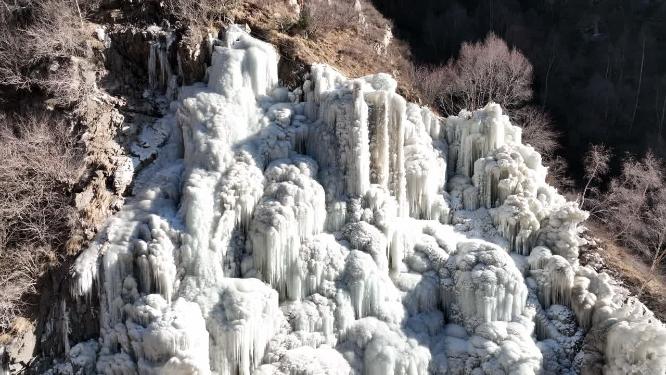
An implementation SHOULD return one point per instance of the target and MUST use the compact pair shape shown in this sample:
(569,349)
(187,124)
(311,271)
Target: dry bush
(14,59)
(319,17)
(558,175)
(202,12)
(430,82)
(40,165)
(483,72)
(39,52)
(38,41)
(630,197)
(20,268)
(538,130)
(56,32)
(636,208)
(633,207)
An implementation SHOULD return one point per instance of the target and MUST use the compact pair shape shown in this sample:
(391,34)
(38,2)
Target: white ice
(338,229)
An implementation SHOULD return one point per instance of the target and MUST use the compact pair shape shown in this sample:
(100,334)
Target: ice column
(292,209)
(241,320)
(486,284)
(475,135)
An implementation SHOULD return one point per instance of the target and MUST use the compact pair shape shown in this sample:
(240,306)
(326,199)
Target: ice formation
(338,229)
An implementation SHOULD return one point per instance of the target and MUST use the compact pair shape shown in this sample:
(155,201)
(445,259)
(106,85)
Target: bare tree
(652,238)
(629,198)
(638,89)
(596,164)
(644,180)
(490,71)
(483,72)
(633,207)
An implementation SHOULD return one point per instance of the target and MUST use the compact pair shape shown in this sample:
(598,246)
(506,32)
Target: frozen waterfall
(338,229)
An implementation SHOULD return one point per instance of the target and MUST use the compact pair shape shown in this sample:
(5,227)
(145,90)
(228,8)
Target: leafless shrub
(483,72)
(430,82)
(56,31)
(31,46)
(633,207)
(319,17)
(20,268)
(558,174)
(652,239)
(538,130)
(40,163)
(13,58)
(202,12)
(39,166)
(628,198)
(72,81)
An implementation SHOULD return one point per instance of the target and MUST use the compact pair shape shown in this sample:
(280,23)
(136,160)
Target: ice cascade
(335,229)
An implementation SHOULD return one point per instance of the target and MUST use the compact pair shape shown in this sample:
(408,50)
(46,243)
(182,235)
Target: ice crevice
(336,229)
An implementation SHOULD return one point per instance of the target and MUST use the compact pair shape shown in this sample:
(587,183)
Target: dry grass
(18,327)
(320,17)
(202,12)
(633,271)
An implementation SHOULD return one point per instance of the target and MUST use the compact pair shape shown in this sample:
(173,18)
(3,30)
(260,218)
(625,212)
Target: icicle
(539,257)
(555,277)
(241,320)
(152,64)
(379,137)
(372,293)
(516,222)
(470,198)
(336,216)
(475,135)
(292,209)
(560,231)
(85,269)
(583,301)
(488,286)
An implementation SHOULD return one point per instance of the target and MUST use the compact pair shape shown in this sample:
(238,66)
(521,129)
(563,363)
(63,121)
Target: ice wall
(338,229)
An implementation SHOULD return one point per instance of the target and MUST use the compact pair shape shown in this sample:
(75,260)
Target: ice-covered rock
(338,229)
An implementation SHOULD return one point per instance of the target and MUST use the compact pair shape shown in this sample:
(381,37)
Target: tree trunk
(545,88)
(663,111)
(78,9)
(638,90)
